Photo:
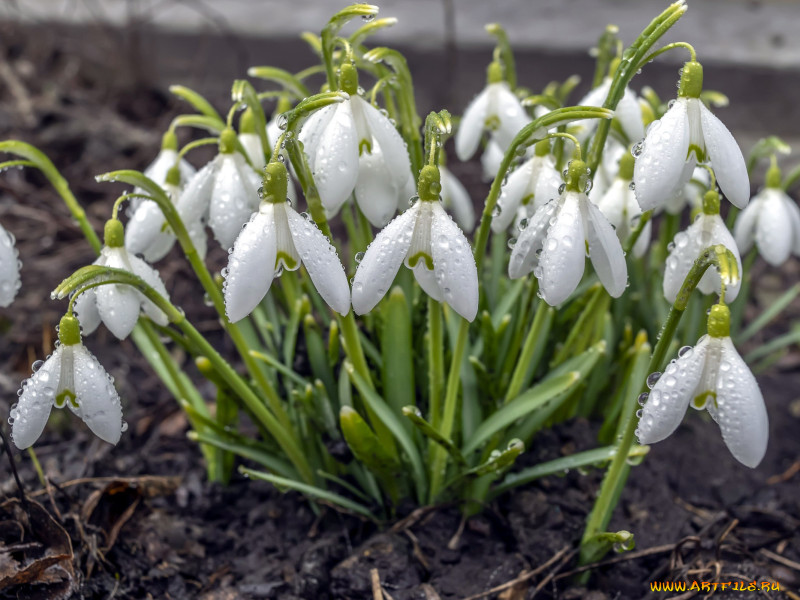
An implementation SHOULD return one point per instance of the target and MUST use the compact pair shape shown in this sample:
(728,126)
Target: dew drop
(652,379)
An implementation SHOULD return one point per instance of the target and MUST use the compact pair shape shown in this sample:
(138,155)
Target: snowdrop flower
(530,185)
(713,376)
(352,146)
(72,377)
(9,268)
(428,242)
(772,221)
(491,158)
(607,170)
(554,242)
(277,238)
(147,232)
(118,306)
(628,112)
(456,198)
(496,109)
(224,192)
(690,193)
(166,158)
(619,206)
(707,230)
(251,141)
(688,133)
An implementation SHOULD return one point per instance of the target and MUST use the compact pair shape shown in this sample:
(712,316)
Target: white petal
(641,245)
(164,161)
(794,215)
(524,256)
(427,281)
(774,228)
(719,234)
(469,131)
(456,198)
(740,410)
(510,113)
(512,194)
(671,395)
(321,261)
(118,305)
(9,268)
(390,141)
(629,115)
(252,146)
(145,234)
(547,183)
(85,308)
(491,158)
(98,401)
(197,233)
(605,250)
(454,264)
(30,413)
(685,191)
(726,158)
(613,204)
(596,97)
(193,201)
(233,199)
(251,265)
(562,260)
(376,191)
(153,279)
(335,167)
(658,169)
(312,130)
(744,230)
(382,260)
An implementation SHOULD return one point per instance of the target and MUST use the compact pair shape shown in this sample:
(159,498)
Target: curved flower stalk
(166,159)
(456,199)
(9,268)
(118,306)
(772,221)
(687,134)
(352,146)
(628,112)
(224,193)
(619,206)
(530,186)
(277,238)
(707,230)
(428,242)
(147,232)
(713,376)
(497,110)
(73,377)
(554,243)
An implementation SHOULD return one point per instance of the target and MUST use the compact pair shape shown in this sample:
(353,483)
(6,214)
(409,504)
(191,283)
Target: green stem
(435,362)
(528,349)
(661,51)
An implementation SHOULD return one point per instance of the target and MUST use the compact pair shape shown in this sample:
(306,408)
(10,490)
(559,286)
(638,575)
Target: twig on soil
(454,541)
(780,559)
(786,475)
(19,92)
(417,550)
(377,593)
(415,517)
(618,559)
(168,483)
(551,575)
(529,574)
(22,499)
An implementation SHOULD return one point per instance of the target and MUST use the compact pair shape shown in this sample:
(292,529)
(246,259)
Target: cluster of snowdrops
(453,367)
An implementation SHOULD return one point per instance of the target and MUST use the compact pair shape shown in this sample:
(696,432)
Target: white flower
(553,245)
(71,376)
(707,230)
(158,170)
(277,238)
(772,221)
(351,145)
(628,112)
(694,183)
(148,234)
(9,268)
(117,305)
(688,133)
(619,206)
(711,375)
(427,240)
(224,192)
(496,109)
(456,199)
(491,158)
(531,185)
(607,170)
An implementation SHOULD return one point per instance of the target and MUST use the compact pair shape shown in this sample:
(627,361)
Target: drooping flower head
(772,221)
(496,110)
(688,133)
(116,305)
(166,159)
(223,193)
(277,238)
(352,146)
(428,242)
(708,229)
(628,111)
(9,268)
(553,243)
(713,376)
(71,377)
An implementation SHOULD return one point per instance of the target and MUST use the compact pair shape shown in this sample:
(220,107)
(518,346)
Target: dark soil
(140,521)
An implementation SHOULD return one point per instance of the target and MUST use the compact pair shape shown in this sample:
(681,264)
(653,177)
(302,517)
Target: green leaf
(199,103)
(772,311)
(265,459)
(210,124)
(397,351)
(310,491)
(415,416)
(283,77)
(369,450)
(370,28)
